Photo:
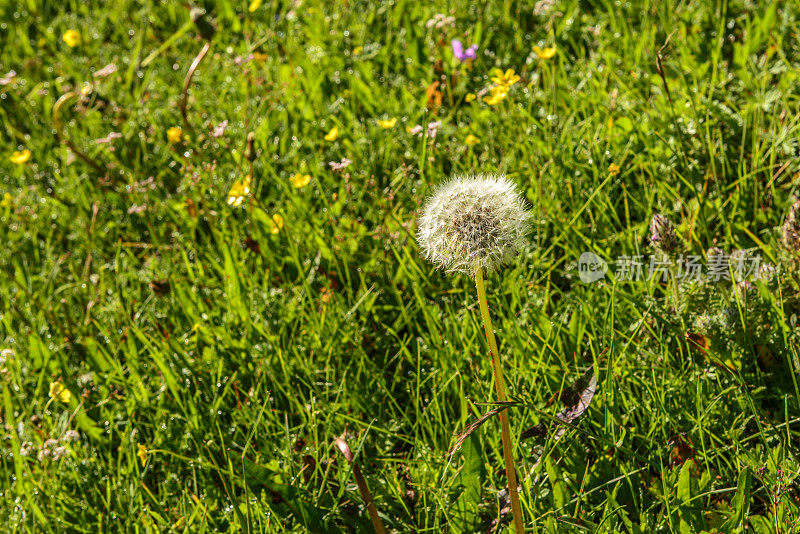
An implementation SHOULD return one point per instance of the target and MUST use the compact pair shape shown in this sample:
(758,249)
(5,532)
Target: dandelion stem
(500,389)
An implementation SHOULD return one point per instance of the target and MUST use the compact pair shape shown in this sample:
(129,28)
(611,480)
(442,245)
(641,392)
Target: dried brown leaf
(577,399)
(470,428)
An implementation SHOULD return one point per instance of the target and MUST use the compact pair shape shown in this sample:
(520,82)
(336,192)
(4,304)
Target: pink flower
(415,130)
(338,166)
(433,129)
(219,129)
(107,139)
(108,70)
(137,208)
(8,78)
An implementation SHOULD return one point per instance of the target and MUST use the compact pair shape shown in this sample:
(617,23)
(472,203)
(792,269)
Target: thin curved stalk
(187,82)
(369,502)
(500,389)
(66,97)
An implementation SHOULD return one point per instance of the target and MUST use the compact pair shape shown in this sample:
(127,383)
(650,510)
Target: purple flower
(461,54)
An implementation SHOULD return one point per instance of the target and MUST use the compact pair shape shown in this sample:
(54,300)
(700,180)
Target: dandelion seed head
(473,222)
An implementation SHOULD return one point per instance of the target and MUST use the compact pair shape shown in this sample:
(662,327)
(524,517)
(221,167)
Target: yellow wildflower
(174,135)
(613,169)
(277,224)
(470,97)
(58,391)
(300,180)
(142,454)
(357,50)
(239,191)
(389,123)
(471,140)
(8,200)
(20,157)
(255,4)
(505,79)
(545,53)
(498,94)
(333,135)
(72,38)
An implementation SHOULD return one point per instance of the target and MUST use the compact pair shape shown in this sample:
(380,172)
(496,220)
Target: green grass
(235,355)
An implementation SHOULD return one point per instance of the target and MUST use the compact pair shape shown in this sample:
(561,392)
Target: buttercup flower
(72,38)
(239,191)
(332,135)
(470,97)
(277,224)
(388,123)
(59,392)
(497,95)
(471,140)
(544,53)
(505,79)
(174,135)
(255,4)
(662,234)
(20,157)
(473,222)
(613,169)
(142,454)
(300,180)
(463,55)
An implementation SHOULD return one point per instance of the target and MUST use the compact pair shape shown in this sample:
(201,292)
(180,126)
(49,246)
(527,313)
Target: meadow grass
(213,353)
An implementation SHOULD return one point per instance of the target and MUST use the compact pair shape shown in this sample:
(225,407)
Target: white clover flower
(71,435)
(473,222)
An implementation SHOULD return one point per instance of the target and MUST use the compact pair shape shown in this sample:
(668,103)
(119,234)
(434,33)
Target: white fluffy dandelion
(472,223)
